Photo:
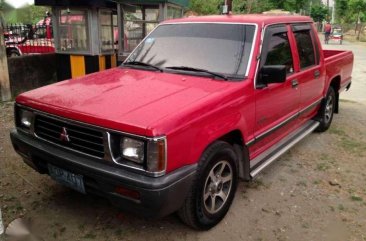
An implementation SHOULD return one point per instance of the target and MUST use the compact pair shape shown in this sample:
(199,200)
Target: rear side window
(279,51)
(305,48)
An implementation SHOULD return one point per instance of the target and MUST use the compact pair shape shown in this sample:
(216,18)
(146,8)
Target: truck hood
(124,99)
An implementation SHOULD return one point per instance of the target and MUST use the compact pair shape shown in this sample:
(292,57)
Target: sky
(19,3)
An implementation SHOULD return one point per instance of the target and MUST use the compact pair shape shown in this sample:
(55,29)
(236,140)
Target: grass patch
(255,184)
(341,207)
(347,101)
(81,227)
(322,166)
(301,183)
(305,225)
(90,236)
(354,146)
(119,232)
(356,198)
(338,132)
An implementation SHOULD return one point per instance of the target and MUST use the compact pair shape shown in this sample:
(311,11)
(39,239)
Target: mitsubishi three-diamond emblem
(64,137)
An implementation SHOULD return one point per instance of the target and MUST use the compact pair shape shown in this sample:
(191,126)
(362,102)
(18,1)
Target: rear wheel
(326,111)
(214,188)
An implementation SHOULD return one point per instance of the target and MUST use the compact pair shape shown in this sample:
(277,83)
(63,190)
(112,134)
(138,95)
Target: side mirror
(272,74)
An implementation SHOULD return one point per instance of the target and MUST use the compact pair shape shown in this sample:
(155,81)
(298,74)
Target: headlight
(156,155)
(133,150)
(150,154)
(25,118)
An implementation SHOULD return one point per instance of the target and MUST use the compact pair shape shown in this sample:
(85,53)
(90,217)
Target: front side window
(279,52)
(220,48)
(73,30)
(305,48)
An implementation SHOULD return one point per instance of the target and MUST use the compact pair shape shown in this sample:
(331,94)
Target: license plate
(67,178)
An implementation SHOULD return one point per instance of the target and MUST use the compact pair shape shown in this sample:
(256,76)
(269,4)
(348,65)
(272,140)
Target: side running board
(273,153)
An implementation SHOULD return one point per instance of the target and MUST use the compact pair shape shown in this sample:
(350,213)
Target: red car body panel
(195,111)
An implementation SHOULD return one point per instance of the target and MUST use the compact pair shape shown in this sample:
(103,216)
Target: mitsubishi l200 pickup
(199,104)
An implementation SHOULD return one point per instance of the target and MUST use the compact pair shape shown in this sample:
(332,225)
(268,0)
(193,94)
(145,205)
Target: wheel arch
(335,83)
(13,48)
(236,139)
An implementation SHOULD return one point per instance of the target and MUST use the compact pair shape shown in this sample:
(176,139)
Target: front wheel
(214,188)
(326,111)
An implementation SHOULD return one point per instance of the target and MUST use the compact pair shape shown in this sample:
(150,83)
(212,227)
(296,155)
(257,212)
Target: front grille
(79,138)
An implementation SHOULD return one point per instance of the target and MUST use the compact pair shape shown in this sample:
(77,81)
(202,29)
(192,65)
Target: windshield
(219,48)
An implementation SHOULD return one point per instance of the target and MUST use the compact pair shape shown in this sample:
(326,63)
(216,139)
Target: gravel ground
(314,192)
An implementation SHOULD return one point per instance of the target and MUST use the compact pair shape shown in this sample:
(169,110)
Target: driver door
(277,104)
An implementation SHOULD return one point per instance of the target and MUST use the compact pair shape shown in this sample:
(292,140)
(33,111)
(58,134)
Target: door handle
(294,83)
(316,73)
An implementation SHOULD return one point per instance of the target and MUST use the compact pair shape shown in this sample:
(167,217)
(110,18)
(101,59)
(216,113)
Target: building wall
(31,71)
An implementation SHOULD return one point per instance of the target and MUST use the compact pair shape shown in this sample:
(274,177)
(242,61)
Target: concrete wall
(31,71)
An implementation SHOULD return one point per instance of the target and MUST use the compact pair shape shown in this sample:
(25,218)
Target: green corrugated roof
(183,3)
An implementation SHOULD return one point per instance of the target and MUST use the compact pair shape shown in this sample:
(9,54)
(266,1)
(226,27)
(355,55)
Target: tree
(28,14)
(205,7)
(319,12)
(341,8)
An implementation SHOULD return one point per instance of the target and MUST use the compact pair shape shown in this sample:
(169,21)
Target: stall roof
(104,3)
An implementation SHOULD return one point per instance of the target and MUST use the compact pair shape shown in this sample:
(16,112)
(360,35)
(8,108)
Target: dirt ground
(314,192)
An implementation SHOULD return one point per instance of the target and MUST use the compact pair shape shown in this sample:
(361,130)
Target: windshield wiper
(198,70)
(139,63)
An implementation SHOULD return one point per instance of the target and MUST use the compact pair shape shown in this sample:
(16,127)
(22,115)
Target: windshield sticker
(149,40)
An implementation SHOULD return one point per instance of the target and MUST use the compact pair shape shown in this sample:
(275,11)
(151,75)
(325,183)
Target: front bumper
(158,196)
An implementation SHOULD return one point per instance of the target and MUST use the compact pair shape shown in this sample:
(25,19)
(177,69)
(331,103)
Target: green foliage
(204,7)
(348,11)
(252,6)
(29,14)
(341,9)
(319,12)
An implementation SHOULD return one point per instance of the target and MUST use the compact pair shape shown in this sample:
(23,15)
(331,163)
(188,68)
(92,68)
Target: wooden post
(4,71)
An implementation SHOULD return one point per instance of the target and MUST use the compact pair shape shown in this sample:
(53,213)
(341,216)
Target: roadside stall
(94,35)
(139,18)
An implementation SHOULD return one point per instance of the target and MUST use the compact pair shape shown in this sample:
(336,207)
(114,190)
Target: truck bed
(339,64)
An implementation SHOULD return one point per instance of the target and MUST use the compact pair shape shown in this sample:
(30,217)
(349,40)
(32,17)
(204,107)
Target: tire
(213,189)
(13,53)
(326,111)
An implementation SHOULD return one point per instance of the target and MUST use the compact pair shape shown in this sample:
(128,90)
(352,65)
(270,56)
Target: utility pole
(333,12)
(4,71)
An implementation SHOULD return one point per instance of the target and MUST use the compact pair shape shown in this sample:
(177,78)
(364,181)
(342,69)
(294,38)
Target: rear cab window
(307,47)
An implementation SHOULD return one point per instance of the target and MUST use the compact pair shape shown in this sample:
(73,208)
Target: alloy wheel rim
(217,187)
(329,109)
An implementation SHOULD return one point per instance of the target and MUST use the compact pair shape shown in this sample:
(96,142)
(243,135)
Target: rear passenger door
(311,72)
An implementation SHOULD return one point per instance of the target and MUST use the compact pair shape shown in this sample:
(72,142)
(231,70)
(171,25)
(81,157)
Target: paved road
(358,89)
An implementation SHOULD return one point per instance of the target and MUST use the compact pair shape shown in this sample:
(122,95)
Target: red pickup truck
(200,103)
